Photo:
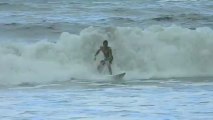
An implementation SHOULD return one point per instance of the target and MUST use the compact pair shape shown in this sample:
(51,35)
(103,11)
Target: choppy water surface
(142,99)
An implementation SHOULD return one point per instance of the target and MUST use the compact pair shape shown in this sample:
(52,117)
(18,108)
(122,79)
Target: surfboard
(117,76)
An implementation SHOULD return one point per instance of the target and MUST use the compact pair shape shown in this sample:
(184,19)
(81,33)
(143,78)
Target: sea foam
(152,52)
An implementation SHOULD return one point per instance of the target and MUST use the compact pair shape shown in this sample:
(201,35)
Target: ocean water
(47,67)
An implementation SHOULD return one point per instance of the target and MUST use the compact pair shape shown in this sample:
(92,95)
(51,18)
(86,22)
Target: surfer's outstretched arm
(98,51)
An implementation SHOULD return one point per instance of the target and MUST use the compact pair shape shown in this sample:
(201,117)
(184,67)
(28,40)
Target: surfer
(108,58)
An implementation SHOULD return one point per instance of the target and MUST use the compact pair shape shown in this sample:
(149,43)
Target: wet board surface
(117,76)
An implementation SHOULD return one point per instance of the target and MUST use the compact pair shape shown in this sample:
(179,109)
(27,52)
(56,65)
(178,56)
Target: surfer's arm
(98,51)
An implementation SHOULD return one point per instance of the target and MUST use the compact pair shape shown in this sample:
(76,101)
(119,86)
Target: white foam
(155,51)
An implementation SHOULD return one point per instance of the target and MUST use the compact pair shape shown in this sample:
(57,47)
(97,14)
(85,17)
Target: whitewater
(48,71)
(153,52)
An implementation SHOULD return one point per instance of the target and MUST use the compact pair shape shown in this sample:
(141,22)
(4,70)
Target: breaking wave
(152,52)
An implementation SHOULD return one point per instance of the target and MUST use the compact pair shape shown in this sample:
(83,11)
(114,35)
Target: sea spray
(152,52)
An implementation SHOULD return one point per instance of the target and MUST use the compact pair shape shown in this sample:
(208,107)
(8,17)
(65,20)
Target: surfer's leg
(109,67)
(110,70)
(101,66)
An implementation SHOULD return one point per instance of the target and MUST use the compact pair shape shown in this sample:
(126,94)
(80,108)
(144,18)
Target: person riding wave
(108,57)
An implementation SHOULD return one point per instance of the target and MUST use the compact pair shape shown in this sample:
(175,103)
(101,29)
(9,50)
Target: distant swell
(119,19)
(39,30)
(195,16)
(4,4)
(164,18)
(182,17)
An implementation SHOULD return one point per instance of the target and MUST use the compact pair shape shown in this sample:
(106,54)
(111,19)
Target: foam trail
(153,52)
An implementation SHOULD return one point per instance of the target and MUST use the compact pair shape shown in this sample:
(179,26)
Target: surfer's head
(105,43)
